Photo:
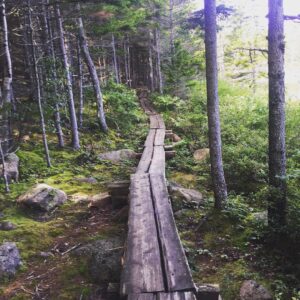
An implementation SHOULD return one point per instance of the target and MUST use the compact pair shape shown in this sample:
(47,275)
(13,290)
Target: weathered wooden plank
(142,271)
(158,163)
(176,296)
(160,137)
(161,122)
(145,161)
(148,296)
(154,122)
(175,263)
(150,138)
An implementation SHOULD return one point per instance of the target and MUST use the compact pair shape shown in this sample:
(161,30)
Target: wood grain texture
(150,138)
(145,161)
(160,137)
(142,272)
(176,267)
(158,164)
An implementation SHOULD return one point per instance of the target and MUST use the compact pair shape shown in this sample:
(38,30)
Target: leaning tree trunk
(6,99)
(80,86)
(277,151)
(93,73)
(51,54)
(72,111)
(38,86)
(215,143)
(115,61)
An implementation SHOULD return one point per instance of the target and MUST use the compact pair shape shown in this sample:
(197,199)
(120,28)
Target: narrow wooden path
(155,265)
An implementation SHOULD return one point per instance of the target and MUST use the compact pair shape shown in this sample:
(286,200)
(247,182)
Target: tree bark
(4,173)
(151,72)
(6,99)
(72,111)
(38,86)
(215,143)
(158,59)
(115,61)
(277,149)
(80,87)
(51,53)
(171,21)
(93,73)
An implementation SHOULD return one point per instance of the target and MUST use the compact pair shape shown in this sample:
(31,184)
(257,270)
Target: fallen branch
(71,249)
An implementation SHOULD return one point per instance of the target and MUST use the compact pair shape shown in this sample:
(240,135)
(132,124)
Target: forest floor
(221,247)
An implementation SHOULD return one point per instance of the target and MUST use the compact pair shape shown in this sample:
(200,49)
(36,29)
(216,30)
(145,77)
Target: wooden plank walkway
(155,265)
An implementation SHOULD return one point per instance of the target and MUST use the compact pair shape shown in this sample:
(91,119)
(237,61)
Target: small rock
(46,254)
(80,198)
(90,180)
(43,197)
(180,213)
(119,155)
(251,290)
(10,259)
(100,200)
(11,167)
(7,226)
(181,196)
(201,154)
(176,138)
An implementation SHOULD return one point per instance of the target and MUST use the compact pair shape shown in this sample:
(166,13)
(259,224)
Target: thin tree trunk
(38,87)
(116,69)
(151,72)
(4,173)
(158,59)
(72,111)
(80,87)
(51,54)
(215,143)
(94,75)
(6,99)
(171,21)
(277,148)
(126,61)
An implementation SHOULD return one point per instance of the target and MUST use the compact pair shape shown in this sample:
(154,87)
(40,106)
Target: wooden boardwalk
(155,265)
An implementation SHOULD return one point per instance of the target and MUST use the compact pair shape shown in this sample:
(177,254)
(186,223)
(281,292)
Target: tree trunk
(4,173)
(80,87)
(6,99)
(38,86)
(171,21)
(277,151)
(158,59)
(51,53)
(126,61)
(94,75)
(72,111)
(151,72)
(215,143)
(115,61)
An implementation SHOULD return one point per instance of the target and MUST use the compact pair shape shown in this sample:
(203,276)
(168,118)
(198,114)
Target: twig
(71,249)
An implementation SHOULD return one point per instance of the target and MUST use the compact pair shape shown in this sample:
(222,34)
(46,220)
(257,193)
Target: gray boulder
(104,259)
(11,167)
(7,226)
(10,260)
(43,197)
(119,155)
(251,290)
(184,197)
